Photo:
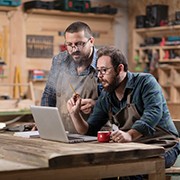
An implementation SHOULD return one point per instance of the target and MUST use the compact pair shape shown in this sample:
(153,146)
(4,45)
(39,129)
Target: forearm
(80,124)
(134,134)
(49,97)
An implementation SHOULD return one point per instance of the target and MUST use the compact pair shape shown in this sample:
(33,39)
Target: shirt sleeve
(49,93)
(99,116)
(152,109)
(48,97)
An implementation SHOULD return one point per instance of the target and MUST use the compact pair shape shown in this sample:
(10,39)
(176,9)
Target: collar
(130,80)
(94,60)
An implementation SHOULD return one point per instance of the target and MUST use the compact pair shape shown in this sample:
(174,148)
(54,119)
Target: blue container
(10,2)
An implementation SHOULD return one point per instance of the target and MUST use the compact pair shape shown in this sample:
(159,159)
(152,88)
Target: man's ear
(120,68)
(92,40)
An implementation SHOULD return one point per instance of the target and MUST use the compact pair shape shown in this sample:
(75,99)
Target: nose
(99,75)
(74,48)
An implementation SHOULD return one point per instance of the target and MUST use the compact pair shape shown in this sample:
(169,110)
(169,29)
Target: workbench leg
(160,171)
(157,177)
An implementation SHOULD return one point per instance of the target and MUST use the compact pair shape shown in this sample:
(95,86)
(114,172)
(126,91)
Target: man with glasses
(73,71)
(134,102)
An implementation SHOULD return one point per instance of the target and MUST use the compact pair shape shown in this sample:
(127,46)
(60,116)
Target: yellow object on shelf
(17,89)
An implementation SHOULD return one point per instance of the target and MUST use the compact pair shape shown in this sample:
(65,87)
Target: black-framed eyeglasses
(79,45)
(103,70)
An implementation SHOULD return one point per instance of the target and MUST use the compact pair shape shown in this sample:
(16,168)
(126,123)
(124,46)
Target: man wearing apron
(73,71)
(132,101)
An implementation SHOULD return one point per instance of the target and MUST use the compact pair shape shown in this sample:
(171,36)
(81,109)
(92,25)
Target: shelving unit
(166,55)
(139,36)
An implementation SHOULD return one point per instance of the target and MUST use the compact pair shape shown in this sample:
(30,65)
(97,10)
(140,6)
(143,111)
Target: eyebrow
(101,67)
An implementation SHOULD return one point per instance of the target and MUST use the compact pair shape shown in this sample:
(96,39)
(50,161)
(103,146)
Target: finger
(85,106)
(86,111)
(34,128)
(115,135)
(76,97)
(78,103)
(71,102)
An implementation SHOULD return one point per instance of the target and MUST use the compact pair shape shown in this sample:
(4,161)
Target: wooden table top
(38,153)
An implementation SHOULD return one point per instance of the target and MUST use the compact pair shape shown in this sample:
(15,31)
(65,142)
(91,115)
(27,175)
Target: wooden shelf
(7,8)
(154,29)
(170,47)
(68,14)
(147,47)
(39,80)
(169,60)
(158,47)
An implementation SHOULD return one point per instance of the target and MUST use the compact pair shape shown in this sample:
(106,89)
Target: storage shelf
(169,60)
(7,8)
(157,29)
(167,57)
(148,47)
(157,47)
(75,14)
(170,47)
(39,80)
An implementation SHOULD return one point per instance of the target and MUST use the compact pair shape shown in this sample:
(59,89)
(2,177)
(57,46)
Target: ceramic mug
(104,136)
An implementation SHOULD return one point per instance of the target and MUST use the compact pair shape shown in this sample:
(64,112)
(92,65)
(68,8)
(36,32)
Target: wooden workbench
(25,159)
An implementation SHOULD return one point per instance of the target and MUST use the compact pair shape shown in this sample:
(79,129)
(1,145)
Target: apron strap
(110,114)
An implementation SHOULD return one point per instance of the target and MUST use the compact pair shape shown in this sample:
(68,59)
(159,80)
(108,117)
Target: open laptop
(50,126)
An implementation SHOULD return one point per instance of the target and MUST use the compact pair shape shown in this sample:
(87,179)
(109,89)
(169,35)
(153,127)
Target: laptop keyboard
(75,139)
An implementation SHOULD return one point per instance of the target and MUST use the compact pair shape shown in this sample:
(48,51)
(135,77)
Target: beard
(79,58)
(112,85)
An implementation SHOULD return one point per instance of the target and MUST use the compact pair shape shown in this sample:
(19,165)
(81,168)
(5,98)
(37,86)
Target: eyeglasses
(103,70)
(80,45)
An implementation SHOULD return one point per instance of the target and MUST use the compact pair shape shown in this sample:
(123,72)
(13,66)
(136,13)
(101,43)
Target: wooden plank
(7,8)
(173,170)
(152,166)
(63,13)
(10,165)
(14,84)
(44,153)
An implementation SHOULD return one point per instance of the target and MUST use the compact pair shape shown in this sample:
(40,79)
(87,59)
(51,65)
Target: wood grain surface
(43,153)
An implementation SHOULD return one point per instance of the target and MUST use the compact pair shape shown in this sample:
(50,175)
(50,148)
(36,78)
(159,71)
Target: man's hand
(74,108)
(87,105)
(121,136)
(74,104)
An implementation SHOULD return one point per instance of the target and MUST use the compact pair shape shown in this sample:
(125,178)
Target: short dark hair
(77,27)
(115,54)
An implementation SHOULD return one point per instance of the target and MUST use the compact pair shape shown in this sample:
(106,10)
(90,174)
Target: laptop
(50,126)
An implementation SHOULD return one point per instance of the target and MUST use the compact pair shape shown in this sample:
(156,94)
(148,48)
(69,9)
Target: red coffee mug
(104,136)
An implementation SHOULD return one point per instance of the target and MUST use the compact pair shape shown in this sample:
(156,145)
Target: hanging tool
(17,89)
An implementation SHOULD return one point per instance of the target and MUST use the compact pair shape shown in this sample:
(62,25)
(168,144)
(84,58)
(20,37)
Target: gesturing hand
(74,104)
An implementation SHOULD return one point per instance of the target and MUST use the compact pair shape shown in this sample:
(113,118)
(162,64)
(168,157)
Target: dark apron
(126,117)
(85,86)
